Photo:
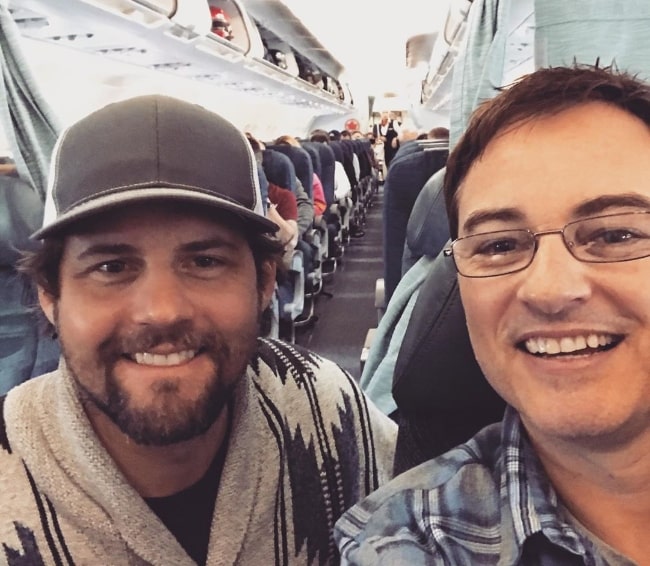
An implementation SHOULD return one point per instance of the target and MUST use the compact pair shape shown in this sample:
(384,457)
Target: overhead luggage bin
(183,38)
(436,87)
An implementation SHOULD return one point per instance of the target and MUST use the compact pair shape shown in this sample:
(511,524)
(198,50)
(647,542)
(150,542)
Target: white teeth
(580,342)
(552,346)
(567,344)
(147,359)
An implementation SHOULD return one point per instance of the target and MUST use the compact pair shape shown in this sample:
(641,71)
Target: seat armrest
(380,298)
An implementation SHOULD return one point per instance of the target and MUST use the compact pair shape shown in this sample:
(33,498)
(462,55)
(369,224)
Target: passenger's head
(157,264)
(345,135)
(543,93)
(334,135)
(549,194)
(257,147)
(438,133)
(408,131)
(287,140)
(320,136)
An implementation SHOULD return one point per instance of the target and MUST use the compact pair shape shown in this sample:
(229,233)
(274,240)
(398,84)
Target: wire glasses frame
(608,238)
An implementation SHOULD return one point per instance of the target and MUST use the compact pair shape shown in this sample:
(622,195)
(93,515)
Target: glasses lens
(615,237)
(493,253)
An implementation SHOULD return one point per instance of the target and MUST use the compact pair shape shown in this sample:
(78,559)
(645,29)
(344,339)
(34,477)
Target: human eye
(112,271)
(113,266)
(207,262)
(617,237)
(497,244)
(204,265)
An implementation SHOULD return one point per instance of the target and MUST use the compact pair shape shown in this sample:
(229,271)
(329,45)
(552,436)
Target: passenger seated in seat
(317,192)
(25,349)
(170,433)
(438,133)
(549,204)
(342,188)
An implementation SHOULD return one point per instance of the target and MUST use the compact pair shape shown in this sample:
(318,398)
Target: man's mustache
(182,335)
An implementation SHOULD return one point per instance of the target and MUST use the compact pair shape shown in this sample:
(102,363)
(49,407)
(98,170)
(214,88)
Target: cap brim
(255,221)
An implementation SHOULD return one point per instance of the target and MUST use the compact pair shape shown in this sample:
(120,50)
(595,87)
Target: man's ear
(47,303)
(267,282)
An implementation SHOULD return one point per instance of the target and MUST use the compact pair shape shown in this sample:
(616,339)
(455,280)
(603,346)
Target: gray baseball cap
(151,148)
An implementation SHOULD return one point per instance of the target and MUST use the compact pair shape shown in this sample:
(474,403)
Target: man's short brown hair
(545,92)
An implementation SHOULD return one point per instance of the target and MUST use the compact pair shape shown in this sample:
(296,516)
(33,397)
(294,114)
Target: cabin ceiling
(369,37)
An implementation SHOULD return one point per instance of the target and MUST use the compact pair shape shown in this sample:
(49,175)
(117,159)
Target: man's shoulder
(20,404)
(466,472)
(12,469)
(450,494)
(279,363)
(305,386)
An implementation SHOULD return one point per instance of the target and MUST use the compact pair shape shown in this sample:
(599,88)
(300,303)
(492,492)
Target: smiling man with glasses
(548,198)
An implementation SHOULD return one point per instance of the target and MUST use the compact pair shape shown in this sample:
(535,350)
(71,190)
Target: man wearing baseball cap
(171,433)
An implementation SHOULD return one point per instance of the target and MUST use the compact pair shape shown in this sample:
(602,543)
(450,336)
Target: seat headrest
(436,371)
(427,229)
(301,162)
(315,158)
(278,169)
(442,397)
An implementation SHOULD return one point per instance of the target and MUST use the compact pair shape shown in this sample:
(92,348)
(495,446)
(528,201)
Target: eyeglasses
(600,239)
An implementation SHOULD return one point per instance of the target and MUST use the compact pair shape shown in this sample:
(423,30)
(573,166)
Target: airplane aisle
(344,319)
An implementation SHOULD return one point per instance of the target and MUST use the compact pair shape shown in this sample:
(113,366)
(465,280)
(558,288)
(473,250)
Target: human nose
(555,281)
(160,298)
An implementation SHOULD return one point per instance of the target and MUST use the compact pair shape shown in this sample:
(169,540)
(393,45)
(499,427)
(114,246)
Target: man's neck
(158,471)
(607,491)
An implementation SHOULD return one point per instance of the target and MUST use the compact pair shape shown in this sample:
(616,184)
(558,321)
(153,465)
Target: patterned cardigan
(305,445)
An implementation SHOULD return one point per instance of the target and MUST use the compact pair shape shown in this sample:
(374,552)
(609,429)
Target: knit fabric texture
(305,445)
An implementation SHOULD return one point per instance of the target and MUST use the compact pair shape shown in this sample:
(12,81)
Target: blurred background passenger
(25,349)
(387,130)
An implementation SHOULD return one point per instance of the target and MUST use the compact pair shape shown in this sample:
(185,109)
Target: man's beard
(168,419)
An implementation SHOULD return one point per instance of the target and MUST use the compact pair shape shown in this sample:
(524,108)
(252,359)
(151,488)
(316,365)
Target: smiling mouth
(162,360)
(569,345)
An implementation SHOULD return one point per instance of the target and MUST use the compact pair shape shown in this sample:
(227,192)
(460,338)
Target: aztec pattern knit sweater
(305,445)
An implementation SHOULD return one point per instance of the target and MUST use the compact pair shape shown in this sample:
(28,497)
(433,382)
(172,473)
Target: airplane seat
(427,230)
(327,159)
(362,149)
(406,177)
(279,164)
(442,397)
(348,163)
(359,170)
(407,148)
(350,171)
(346,205)
(279,169)
(315,160)
(332,216)
(365,165)
(301,163)
(292,297)
(373,183)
